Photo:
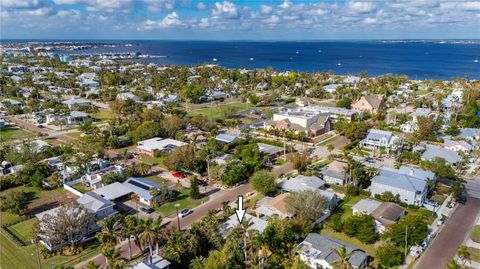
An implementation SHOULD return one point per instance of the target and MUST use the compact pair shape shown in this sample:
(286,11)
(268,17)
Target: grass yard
(74,134)
(103,115)
(11,133)
(346,205)
(319,164)
(184,201)
(329,140)
(152,160)
(474,254)
(79,187)
(475,233)
(23,230)
(217,112)
(370,249)
(159,180)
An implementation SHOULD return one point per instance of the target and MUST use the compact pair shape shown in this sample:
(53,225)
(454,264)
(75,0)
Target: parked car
(462,198)
(432,203)
(147,210)
(178,174)
(202,183)
(184,213)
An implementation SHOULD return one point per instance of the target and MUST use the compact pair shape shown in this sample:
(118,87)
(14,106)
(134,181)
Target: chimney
(412,172)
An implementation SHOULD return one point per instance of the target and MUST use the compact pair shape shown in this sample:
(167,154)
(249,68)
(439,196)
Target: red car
(178,174)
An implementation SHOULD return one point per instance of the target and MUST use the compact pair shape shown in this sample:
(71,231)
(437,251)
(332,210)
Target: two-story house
(377,139)
(370,103)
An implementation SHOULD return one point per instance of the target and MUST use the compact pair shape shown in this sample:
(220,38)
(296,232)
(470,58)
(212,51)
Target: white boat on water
(297,52)
(476,60)
(214,59)
(320,51)
(251,59)
(339,63)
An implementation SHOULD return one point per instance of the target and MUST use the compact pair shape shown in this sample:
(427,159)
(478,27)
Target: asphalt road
(214,203)
(446,243)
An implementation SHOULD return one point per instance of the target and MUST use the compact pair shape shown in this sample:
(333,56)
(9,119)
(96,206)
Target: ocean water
(418,60)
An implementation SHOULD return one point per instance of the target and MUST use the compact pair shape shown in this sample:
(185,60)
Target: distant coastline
(420,59)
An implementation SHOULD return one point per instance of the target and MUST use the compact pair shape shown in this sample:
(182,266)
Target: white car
(184,213)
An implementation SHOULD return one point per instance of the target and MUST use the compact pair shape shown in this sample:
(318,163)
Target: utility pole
(406,239)
(178,217)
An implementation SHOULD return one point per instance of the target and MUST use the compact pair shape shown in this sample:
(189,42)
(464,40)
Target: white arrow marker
(240,212)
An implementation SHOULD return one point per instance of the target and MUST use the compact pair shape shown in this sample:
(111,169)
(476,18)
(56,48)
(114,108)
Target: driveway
(446,243)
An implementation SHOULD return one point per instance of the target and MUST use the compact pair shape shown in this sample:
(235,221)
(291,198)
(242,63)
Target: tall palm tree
(343,258)
(110,231)
(157,227)
(148,235)
(129,229)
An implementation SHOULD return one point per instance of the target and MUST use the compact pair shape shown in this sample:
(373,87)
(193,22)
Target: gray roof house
(434,151)
(76,101)
(141,187)
(365,206)
(302,183)
(271,151)
(470,133)
(411,184)
(317,252)
(227,138)
(378,139)
(334,173)
(255,223)
(96,204)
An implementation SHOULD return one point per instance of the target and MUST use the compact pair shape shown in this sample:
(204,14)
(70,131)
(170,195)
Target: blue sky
(247,20)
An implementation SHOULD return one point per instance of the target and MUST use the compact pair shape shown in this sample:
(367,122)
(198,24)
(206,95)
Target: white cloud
(19,3)
(225,9)
(264,9)
(369,20)
(273,20)
(171,20)
(157,5)
(361,7)
(286,4)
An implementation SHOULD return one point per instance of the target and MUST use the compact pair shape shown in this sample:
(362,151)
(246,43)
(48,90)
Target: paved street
(214,203)
(445,245)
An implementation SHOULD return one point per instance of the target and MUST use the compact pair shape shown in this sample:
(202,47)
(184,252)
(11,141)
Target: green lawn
(151,160)
(10,133)
(74,134)
(79,187)
(319,163)
(370,249)
(346,205)
(474,254)
(183,200)
(103,115)
(217,112)
(159,180)
(23,230)
(475,233)
(328,141)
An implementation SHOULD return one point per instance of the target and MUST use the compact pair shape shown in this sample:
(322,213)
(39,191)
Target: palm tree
(157,227)
(148,234)
(111,255)
(128,230)
(197,263)
(135,197)
(110,231)
(464,254)
(453,264)
(343,257)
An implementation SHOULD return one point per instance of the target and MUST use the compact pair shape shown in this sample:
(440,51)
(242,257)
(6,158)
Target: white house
(157,144)
(377,139)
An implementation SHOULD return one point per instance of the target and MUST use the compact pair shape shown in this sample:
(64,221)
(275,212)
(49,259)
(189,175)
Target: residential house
(152,262)
(457,145)
(227,138)
(409,183)
(317,251)
(141,187)
(365,206)
(334,173)
(269,150)
(433,151)
(386,214)
(470,133)
(255,223)
(270,206)
(303,183)
(370,103)
(155,145)
(303,102)
(222,158)
(97,205)
(123,96)
(76,102)
(378,139)
(94,180)
(10,103)
(331,88)
(77,118)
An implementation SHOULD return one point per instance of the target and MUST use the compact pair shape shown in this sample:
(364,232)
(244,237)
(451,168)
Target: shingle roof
(392,177)
(324,245)
(388,213)
(301,183)
(366,206)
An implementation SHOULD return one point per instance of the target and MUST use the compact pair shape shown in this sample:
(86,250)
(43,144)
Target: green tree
(110,231)
(194,188)
(343,258)
(308,205)
(464,254)
(235,171)
(264,182)
(416,226)
(300,161)
(389,255)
